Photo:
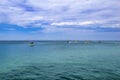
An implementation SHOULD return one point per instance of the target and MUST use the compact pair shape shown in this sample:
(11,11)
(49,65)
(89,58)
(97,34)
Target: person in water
(31,44)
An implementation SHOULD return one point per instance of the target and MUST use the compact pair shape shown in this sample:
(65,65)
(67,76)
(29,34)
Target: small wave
(60,72)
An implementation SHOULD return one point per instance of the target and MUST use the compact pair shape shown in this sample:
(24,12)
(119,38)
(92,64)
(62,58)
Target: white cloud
(60,12)
(52,29)
(75,23)
(103,24)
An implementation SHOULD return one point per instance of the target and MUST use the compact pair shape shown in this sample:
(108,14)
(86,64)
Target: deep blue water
(59,60)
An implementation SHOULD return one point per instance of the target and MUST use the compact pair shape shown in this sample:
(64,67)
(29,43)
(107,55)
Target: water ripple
(60,72)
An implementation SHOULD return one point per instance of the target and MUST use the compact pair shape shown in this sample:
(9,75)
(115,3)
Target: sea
(60,60)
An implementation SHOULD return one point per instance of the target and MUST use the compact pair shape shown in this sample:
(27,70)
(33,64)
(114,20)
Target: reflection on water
(58,60)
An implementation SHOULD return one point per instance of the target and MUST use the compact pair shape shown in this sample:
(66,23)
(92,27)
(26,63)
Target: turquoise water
(59,60)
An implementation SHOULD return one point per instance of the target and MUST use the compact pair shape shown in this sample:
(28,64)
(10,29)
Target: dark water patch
(95,71)
(78,77)
(51,66)
(65,78)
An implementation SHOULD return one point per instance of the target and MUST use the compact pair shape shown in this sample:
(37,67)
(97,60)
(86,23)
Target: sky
(59,19)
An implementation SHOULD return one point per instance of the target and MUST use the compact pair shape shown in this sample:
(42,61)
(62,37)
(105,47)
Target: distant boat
(72,41)
(31,44)
(69,41)
(76,41)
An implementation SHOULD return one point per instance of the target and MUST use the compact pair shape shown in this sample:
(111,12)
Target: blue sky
(59,19)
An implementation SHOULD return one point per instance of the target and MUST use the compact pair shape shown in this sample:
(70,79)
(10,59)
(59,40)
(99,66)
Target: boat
(31,44)
(73,41)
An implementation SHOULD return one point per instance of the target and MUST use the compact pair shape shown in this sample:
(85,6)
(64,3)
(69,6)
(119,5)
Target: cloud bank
(60,15)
